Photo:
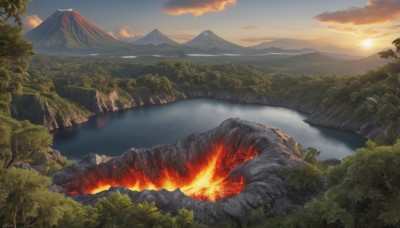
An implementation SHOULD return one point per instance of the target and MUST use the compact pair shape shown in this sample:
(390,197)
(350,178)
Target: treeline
(162,77)
(372,97)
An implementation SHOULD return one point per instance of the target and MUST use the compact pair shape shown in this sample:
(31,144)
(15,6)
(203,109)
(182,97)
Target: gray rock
(265,185)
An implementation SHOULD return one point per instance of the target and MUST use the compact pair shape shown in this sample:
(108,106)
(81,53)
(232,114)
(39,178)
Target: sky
(361,25)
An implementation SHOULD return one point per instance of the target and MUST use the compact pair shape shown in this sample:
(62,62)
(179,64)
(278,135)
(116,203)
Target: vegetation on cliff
(362,103)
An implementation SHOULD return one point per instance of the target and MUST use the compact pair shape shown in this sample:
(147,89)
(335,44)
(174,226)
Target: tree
(26,201)
(13,9)
(366,190)
(114,209)
(12,44)
(184,218)
(28,140)
(390,54)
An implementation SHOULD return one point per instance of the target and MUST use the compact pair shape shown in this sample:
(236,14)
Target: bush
(306,177)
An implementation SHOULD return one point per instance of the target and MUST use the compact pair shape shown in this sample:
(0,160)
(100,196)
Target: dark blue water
(115,133)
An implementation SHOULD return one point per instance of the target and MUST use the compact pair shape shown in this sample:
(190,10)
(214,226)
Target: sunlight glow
(367,43)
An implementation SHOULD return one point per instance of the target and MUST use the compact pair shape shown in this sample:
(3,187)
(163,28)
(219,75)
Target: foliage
(117,210)
(20,140)
(390,54)
(13,9)
(309,155)
(308,177)
(27,201)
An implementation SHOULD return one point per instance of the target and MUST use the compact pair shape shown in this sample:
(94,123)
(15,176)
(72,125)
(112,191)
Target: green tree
(114,209)
(13,9)
(366,190)
(26,201)
(28,140)
(307,177)
(184,219)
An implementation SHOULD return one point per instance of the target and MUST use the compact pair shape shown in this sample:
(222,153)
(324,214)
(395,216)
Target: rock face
(39,111)
(96,101)
(264,174)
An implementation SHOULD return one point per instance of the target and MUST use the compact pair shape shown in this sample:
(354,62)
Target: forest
(363,191)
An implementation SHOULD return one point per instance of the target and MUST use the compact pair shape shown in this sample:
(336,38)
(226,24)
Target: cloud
(361,31)
(32,21)
(196,7)
(124,33)
(376,11)
(250,27)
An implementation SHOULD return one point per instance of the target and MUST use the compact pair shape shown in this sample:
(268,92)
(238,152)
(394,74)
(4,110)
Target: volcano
(221,175)
(156,38)
(209,40)
(68,30)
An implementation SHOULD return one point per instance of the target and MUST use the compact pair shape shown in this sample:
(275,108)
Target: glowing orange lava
(205,178)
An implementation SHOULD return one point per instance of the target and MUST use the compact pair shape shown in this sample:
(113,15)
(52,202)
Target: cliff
(96,101)
(47,111)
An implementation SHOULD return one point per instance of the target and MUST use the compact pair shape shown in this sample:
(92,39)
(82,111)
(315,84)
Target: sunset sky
(363,25)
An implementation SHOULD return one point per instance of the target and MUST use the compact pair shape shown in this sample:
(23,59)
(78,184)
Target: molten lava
(204,178)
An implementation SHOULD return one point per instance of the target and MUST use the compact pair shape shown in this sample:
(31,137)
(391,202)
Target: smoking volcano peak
(222,174)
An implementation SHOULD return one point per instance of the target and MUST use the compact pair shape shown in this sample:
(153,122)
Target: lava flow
(204,178)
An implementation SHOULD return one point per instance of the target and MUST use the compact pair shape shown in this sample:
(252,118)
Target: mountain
(316,45)
(289,44)
(209,40)
(311,58)
(67,29)
(275,50)
(156,38)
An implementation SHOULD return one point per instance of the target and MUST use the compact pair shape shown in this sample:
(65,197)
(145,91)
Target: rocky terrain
(264,175)
(40,110)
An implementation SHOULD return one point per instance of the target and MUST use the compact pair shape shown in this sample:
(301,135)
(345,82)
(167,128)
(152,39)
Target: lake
(114,133)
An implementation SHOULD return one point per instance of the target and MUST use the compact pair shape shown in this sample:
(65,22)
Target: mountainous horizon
(67,29)
(297,44)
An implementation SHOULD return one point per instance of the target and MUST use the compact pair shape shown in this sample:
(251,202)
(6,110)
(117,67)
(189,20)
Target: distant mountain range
(68,32)
(316,45)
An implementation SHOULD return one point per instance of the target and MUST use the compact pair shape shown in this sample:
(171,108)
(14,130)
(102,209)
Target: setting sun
(368,43)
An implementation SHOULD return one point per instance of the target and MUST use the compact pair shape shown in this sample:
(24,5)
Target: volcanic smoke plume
(221,175)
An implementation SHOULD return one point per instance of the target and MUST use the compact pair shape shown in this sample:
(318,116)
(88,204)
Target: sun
(367,43)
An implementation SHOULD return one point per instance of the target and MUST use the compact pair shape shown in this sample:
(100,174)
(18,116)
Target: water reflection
(115,133)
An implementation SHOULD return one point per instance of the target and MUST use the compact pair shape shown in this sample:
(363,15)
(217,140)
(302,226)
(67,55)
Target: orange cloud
(376,11)
(32,21)
(196,7)
(250,27)
(124,33)
(361,31)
